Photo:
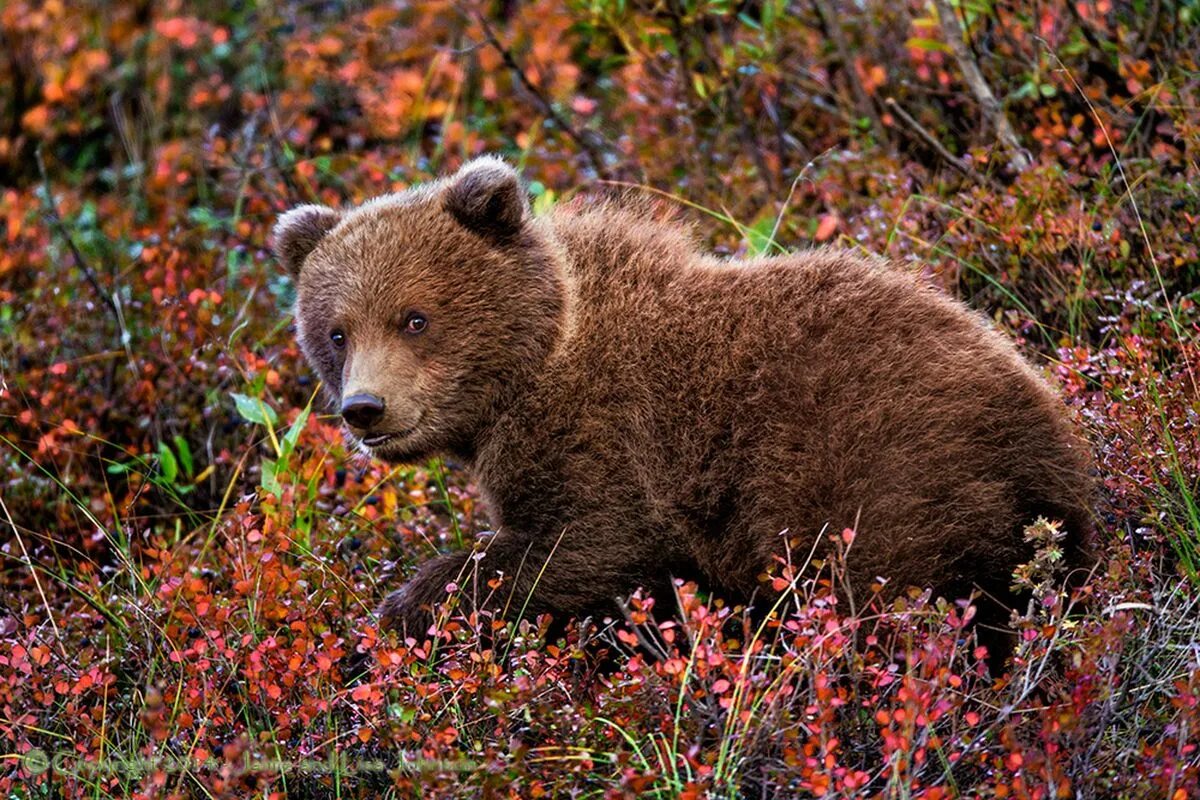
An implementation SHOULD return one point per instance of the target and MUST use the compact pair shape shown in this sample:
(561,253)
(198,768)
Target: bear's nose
(362,410)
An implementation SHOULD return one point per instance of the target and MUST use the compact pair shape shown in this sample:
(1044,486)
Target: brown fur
(635,410)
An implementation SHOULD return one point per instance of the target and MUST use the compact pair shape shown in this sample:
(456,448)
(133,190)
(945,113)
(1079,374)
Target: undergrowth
(191,556)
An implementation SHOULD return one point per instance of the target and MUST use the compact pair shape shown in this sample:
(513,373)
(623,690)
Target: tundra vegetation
(191,554)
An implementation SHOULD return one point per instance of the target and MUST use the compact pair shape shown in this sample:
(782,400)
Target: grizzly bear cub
(634,410)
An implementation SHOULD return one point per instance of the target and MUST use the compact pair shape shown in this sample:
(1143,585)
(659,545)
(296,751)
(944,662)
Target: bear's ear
(486,196)
(299,231)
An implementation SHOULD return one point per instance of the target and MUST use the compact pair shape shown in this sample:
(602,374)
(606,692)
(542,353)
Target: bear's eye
(415,323)
(338,337)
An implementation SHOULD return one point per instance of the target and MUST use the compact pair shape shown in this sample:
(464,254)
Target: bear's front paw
(403,612)
(411,608)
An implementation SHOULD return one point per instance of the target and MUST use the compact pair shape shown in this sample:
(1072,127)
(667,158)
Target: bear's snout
(362,410)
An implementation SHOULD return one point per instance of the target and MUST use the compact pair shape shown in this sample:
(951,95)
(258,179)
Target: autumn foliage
(191,556)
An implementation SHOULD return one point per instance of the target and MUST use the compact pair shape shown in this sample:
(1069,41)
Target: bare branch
(993,112)
(862,98)
(56,221)
(594,157)
(928,138)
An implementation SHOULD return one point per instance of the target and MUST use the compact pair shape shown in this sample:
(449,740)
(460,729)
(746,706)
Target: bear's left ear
(486,196)
(299,231)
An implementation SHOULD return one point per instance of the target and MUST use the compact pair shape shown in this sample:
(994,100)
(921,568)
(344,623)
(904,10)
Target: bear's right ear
(299,231)
(486,196)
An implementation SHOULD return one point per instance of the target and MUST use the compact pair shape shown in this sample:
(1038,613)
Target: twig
(952,32)
(1150,32)
(862,98)
(36,581)
(57,221)
(928,138)
(593,155)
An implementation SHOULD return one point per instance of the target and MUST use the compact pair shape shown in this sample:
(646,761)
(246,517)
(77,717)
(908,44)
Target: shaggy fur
(635,410)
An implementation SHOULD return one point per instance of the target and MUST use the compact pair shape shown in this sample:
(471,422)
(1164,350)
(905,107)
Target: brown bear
(635,410)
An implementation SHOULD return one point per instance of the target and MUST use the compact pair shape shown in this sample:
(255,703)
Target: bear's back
(803,392)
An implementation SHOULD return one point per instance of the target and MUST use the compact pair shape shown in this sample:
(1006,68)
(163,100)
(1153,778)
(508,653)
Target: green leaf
(1076,47)
(289,440)
(1027,89)
(253,409)
(769,12)
(750,21)
(185,455)
(542,203)
(759,239)
(167,463)
(270,477)
(922,43)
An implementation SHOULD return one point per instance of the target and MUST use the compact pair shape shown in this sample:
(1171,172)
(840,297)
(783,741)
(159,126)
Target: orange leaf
(827,226)
(36,119)
(329,46)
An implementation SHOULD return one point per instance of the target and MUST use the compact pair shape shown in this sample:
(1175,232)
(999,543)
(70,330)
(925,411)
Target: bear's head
(423,311)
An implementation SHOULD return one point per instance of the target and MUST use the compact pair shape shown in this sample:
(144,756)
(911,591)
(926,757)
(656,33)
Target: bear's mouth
(380,439)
